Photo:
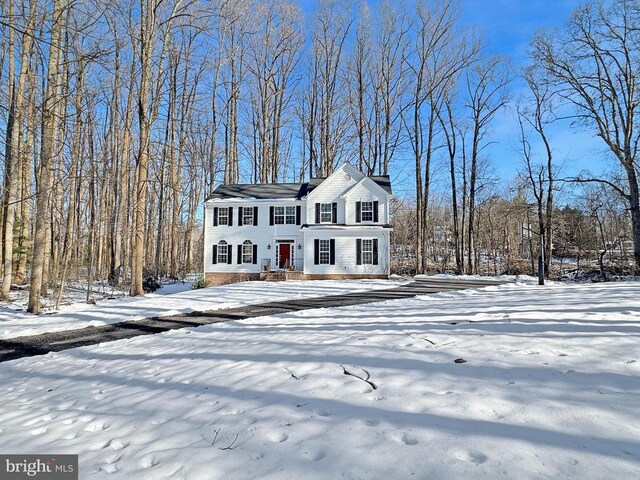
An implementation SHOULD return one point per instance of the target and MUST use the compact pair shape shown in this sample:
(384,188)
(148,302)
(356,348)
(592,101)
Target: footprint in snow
(278,437)
(405,438)
(473,456)
(314,455)
(372,423)
(149,462)
(97,426)
(39,431)
(118,445)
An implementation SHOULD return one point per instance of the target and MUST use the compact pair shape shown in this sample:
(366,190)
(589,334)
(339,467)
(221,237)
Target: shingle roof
(264,191)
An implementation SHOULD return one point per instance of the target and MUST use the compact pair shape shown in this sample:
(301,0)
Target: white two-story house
(327,228)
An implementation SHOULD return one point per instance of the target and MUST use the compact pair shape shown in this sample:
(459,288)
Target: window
(326,213)
(223,216)
(223,251)
(284,215)
(367,211)
(247,216)
(325,251)
(367,251)
(247,251)
(290,215)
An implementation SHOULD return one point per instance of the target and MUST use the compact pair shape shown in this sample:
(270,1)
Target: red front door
(285,255)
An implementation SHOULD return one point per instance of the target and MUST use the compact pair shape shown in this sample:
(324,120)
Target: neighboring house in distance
(327,228)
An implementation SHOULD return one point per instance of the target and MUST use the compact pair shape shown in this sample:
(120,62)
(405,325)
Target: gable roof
(267,191)
(364,181)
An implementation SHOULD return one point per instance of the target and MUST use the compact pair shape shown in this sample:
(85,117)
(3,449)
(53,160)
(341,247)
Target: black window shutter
(230,217)
(334,213)
(229,254)
(255,218)
(255,253)
(215,216)
(298,212)
(316,251)
(358,251)
(271,215)
(375,251)
(239,253)
(317,213)
(239,216)
(332,251)
(215,255)
(358,212)
(375,212)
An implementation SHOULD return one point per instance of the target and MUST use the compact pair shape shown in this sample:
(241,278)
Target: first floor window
(367,211)
(326,215)
(247,215)
(247,252)
(223,216)
(223,252)
(325,251)
(367,250)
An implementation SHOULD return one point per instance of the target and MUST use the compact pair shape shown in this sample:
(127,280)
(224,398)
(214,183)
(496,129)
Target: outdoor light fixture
(299,247)
(268,246)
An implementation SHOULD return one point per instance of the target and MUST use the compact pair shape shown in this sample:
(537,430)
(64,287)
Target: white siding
(360,193)
(346,252)
(330,191)
(262,235)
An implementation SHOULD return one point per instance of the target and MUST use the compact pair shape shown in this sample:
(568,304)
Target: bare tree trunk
(49,134)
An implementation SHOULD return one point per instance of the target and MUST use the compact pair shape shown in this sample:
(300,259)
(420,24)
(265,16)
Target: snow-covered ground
(174,299)
(550,389)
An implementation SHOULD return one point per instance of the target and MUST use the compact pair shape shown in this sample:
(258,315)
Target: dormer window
(367,211)
(326,215)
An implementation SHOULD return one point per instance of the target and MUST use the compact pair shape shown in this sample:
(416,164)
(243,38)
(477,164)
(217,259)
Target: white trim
(371,182)
(354,172)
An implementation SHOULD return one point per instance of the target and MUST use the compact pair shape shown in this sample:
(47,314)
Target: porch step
(273,276)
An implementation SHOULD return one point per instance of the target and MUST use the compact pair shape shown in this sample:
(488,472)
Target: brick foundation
(344,276)
(217,278)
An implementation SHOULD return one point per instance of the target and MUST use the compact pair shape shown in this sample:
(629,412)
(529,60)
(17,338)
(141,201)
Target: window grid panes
(290,216)
(279,215)
(284,215)
(223,252)
(247,216)
(325,252)
(367,252)
(223,216)
(367,211)
(326,213)
(247,252)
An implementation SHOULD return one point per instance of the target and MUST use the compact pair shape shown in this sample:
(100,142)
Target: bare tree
(486,95)
(593,65)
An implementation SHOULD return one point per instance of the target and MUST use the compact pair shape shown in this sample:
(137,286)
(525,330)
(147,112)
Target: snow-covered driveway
(175,299)
(550,389)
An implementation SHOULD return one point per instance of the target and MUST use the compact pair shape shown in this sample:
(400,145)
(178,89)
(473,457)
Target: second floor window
(326,215)
(367,211)
(284,215)
(223,216)
(247,216)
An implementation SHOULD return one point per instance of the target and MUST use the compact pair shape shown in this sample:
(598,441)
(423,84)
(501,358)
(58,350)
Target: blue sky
(508,26)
